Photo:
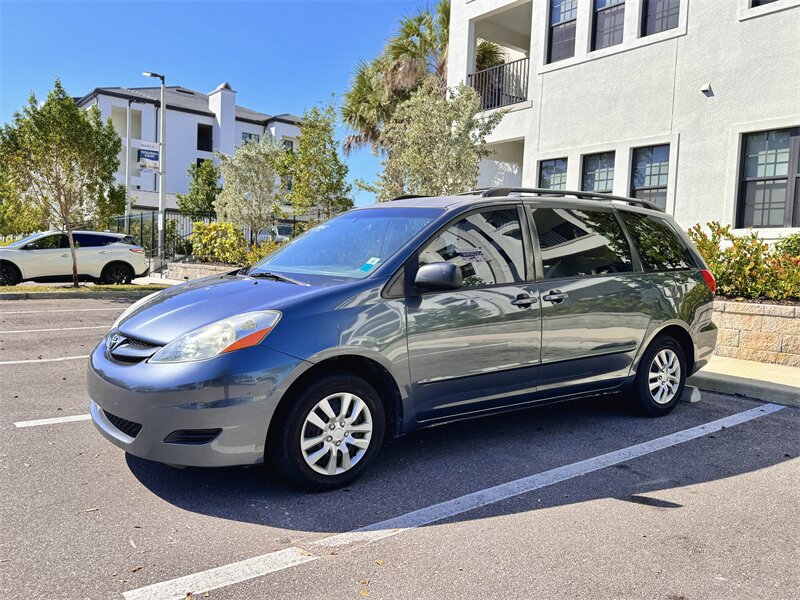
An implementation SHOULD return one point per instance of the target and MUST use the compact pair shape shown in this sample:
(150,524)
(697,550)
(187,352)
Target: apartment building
(198,125)
(693,104)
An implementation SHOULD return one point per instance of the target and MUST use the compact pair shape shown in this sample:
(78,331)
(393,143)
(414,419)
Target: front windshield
(348,247)
(23,241)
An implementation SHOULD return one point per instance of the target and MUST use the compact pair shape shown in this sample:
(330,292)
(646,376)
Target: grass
(82,288)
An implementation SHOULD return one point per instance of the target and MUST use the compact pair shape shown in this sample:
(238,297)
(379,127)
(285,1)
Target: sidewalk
(150,280)
(771,383)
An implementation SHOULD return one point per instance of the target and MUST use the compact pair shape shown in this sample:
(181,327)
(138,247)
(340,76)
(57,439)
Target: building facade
(197,125)
(694,105)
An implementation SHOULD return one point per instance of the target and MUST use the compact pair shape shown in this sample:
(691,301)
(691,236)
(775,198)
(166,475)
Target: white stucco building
(693,104)
(198,125)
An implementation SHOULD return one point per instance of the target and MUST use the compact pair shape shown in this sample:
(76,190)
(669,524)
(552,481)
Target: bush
(259,251)
(218,242)
(746,267)
(789,245)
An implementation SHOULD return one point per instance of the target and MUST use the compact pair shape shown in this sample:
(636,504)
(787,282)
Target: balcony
(502,85)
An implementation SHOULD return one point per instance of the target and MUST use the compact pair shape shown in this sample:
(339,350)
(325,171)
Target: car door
(475,348)
(47,256)
(93,252)
(596,302)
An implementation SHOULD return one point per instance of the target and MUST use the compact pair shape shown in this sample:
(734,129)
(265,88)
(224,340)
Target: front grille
(131,350)
(192,437)
(129,428)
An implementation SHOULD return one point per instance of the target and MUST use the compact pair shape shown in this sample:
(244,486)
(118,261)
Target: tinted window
(49,242)
(659,246)
(486,246)
(580,243)
(92,240)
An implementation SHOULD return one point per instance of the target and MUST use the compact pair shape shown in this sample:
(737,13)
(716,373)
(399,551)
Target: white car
(103,257)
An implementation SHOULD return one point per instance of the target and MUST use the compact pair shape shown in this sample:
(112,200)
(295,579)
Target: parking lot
(579,500)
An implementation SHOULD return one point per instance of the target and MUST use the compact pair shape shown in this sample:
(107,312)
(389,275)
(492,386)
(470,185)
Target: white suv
(103,257)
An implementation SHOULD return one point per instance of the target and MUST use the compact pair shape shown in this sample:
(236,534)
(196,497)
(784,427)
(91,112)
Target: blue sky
(278,56)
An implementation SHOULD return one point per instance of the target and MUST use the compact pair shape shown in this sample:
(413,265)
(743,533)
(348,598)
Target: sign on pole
(147,155)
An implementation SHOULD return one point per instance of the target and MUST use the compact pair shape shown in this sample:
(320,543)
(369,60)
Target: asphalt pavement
(578,500)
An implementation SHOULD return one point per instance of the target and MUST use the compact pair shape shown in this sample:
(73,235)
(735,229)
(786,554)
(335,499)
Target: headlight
(132,308)
(227,335)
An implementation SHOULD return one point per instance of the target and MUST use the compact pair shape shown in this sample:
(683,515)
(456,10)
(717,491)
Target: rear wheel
(8,274)
(661,377)
(117,274)
(329,434)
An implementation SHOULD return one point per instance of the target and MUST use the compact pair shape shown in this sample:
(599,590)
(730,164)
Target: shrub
(745,266)
(789,245)
(218,242)
(259,251)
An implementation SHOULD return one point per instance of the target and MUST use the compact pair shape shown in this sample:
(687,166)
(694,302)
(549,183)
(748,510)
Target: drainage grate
(129,428)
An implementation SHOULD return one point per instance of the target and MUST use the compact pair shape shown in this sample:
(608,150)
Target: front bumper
(236,392)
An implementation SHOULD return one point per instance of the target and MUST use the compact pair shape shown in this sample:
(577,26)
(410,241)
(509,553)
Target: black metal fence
(501,85)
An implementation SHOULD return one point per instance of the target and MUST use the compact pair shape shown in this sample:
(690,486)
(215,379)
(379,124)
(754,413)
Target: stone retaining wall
(184,271)
(767,333)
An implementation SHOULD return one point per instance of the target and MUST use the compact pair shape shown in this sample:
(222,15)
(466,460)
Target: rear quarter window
(660,247)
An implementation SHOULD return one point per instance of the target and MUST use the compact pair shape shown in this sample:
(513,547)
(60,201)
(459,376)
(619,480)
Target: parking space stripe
(36,361)
(58,310)
(222,576)
(204,581)
(55,329)
(53,421)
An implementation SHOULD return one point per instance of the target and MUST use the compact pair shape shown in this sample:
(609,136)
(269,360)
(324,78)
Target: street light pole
(162,163)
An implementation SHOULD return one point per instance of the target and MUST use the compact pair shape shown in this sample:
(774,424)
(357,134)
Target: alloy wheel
(336,433)
(664,376)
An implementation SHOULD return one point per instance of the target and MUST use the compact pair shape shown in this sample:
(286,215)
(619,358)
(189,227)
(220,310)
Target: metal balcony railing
(501,85)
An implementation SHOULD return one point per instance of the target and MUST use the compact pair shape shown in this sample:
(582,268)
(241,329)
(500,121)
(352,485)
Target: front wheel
(329,434)
(661,377)
(8,275)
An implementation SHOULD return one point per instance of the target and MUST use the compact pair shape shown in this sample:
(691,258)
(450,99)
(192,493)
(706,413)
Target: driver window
(486,246)
(50,242)
(581,243)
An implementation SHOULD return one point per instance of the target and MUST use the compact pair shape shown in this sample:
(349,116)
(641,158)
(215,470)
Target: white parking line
(57,310)
(36,361)
(212,579)
(53,421)
(55,329)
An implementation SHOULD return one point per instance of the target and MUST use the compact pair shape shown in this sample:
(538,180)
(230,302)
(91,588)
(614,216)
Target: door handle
(103,252)
(64,255)
(555,296)
(523,301)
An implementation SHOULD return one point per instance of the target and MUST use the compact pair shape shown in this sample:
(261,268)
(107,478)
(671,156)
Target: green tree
(253,189)
(416,51)
(203,190)
(61,159)
(319,177)
(436,141)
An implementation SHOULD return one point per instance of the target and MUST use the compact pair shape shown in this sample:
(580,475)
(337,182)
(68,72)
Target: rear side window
(660,248)
(128,241)
(486,246)
(92,240)
(580,243)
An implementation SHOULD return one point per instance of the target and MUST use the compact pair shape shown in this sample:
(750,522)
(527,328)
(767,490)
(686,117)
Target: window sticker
(475,255)
(370,264)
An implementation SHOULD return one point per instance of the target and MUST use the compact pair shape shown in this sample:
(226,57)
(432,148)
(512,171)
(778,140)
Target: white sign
(148,145)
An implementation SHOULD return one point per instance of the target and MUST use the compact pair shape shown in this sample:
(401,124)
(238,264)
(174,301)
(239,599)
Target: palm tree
(419,48)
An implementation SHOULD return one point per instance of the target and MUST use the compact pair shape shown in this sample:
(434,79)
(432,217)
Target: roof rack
(407,196)
(518,191)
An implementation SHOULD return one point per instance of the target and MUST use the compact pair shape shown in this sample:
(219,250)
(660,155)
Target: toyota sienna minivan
(403,315)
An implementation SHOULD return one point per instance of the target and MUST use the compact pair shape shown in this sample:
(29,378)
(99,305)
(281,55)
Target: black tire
(284,442)
(117,274)
(652,373)
(8,274)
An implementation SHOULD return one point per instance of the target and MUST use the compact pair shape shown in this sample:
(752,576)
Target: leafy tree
(253,190)
(416,51)
(319,177)
(61,160)
(436,143)
(16,217)
(203,190)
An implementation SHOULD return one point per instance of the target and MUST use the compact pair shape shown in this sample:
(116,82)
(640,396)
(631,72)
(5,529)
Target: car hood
(167,315)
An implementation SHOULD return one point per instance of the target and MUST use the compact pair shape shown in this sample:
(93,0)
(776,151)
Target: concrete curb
(128,295)
(767,391)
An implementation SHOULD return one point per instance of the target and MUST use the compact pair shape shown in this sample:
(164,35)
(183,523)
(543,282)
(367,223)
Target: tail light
(137,250)
(710,281)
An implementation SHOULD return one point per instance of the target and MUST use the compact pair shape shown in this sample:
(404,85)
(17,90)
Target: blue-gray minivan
(403,315)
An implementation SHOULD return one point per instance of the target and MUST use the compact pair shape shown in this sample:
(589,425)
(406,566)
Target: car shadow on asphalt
(444,462)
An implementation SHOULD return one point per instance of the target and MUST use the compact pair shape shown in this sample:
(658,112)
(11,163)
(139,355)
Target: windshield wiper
(276,277)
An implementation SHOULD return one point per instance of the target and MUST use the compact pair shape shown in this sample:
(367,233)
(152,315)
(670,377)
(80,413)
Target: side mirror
(438,277)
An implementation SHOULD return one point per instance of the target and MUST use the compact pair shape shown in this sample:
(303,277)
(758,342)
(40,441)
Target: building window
(755,3)
(205,135)
(659,15)
(562,29)
(598,172)
(288,145)
(770,179)
(246,137)
(609,21)
(553,174)
(650,174)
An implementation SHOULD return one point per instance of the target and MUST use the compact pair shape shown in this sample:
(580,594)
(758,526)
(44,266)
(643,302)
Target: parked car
(102,257)
(404,315)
